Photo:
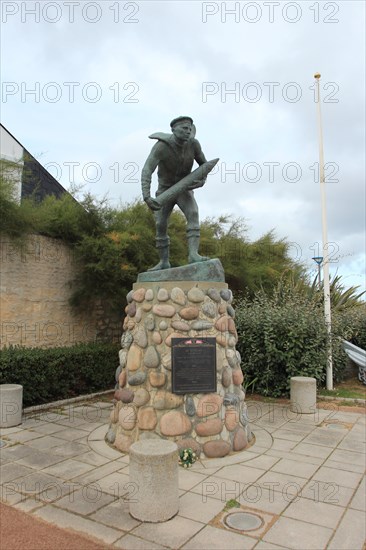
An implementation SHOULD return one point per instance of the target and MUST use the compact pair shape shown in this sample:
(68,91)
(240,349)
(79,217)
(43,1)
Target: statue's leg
(162,239)
(188,206)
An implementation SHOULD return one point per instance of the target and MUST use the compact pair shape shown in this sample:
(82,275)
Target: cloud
(249,87)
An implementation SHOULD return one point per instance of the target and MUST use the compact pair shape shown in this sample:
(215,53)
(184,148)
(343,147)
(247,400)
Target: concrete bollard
(11,405)
(154,473)
(303,394)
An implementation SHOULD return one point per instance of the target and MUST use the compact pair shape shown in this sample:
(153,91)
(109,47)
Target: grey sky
(160,60)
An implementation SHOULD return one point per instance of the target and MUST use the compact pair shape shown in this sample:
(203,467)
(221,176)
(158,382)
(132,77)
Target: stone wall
(145,405)
(34,298)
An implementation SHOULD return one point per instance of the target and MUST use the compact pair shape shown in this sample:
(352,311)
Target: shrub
(59,373)
(284,335)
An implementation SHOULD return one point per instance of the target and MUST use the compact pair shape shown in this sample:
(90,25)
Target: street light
(318,260)
(326,285)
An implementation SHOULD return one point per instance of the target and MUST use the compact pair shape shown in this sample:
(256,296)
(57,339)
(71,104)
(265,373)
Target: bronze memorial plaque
(193,365)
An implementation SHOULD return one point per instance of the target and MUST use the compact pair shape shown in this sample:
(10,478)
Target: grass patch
(344,393)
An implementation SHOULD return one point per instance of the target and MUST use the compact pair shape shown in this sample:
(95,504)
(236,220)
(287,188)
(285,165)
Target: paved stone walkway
(303,480)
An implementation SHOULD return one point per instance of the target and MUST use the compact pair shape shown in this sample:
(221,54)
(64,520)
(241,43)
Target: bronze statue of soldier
(173,155)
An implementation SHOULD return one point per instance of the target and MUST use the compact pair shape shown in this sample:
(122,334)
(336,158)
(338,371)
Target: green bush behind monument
(283,334)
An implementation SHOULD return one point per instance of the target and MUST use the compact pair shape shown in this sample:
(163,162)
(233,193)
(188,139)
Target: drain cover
(243,521)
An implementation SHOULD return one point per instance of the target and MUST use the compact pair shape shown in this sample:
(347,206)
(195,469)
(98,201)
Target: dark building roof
(36,180)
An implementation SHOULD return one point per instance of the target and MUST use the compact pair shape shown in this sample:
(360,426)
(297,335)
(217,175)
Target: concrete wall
(34,298)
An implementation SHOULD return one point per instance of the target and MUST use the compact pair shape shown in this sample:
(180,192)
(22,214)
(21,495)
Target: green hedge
(284,335)
(59,373)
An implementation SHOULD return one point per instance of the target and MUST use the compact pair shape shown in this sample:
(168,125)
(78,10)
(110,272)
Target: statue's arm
(199,157)
(148,169)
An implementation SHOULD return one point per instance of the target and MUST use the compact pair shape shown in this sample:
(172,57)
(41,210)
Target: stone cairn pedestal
(214,424)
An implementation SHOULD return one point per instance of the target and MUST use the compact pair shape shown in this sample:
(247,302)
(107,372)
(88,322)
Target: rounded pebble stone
(126,340)
(178,297)
(149,322)
(141,397)
(225,294)
(190,406)
(163,295)
(164,310)
(137,379)
(129,297)
(180,325)
(127,417)
(118,372)
(201,325)
(231,311)
(196,295)
(140,337)
(216,449)
(151,358)
(214,294)
(139,295)
(131,309)
(189,313)
(163,325)
(209,309)
(240,440)
(111,436)
(149,294)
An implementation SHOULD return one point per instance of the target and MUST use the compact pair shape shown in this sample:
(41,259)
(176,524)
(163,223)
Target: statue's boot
(193,245)
(164,263)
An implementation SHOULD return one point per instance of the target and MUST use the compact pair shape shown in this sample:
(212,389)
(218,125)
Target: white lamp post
(326,285)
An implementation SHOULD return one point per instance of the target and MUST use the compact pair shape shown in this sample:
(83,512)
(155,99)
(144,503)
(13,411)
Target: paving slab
(330,493)
(309,449)
(70,449)
(339,477)
(295,468)
(13,471)
(130,542)
(298,535)
(186,478)
(45,442)
(220,539)
(15,452)
(265,499)
(218,488)
(68,469)
(62,518)
(23,436)
(48,428)
(240,473)
(84,501)
(39,459)
(347,467)
(93,458)
(318,513)
(359,500)
(192,506)
(283,445)
(116,514)
(173,533)
(351,532)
